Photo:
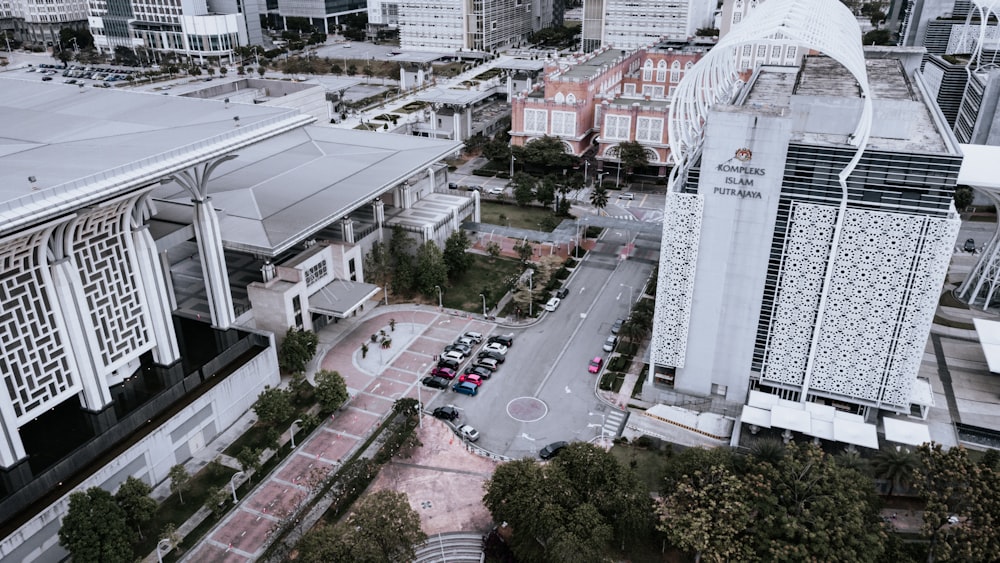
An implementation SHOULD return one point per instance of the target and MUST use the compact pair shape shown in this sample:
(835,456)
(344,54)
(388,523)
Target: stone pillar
(510,88)
(378,211)
(468,123)
(456,125)
(347,230)
(432,178)
(476,216)
(528,87)
(154,286)
(209,236)
(420,77)
(402,79)
(268,271)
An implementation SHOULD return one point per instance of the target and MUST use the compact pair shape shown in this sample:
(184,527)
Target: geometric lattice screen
(800,281)
(101,246)
(887,280)
(36,371)
(675,284)
(885,287)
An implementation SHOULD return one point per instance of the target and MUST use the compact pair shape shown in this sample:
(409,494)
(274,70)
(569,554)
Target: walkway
(375,382)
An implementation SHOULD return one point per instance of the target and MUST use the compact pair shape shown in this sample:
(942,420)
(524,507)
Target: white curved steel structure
(823,25)
(986,9)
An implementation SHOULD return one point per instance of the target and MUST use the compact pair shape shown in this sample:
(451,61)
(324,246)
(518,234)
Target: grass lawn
(650,464)
(485,277)
(521,217)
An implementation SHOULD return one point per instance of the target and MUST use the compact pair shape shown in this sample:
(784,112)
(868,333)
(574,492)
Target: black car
(562,293)
(551,450)
(617,326)
(460,347)
(448,363)
(480,371)
(435,382)
(970,245)
(505,339)
(491,354)
(452,186)
(446,413)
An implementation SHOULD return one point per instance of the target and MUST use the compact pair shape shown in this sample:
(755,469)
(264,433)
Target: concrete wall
(153,456)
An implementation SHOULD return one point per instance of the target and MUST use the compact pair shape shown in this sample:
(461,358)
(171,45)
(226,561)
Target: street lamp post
(160,548)
(440,300)
(531,293)
(484,304)
(512,159)
(232,484)
(292,430)
(618,174)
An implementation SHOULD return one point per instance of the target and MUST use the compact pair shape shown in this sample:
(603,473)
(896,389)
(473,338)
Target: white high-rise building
(805,242)
(450,25)
(752,55)
(631,24)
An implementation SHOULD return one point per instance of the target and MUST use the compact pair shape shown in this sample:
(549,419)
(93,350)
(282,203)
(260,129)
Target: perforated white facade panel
(110,284)
(675,285)
(37,373)
(807,246)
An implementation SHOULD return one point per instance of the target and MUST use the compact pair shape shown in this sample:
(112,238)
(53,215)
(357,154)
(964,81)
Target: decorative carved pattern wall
(675,285)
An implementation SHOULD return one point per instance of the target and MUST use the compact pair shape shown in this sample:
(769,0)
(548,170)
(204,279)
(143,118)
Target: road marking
(568,390)
(526,437)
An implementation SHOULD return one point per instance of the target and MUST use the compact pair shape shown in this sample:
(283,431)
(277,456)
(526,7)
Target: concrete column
(456,125)
(156,295)
(468,123)
(420,77)
(213,263)
(347,230)
(476,216)
(510,88)
(402,79)
(432,178)
(529,84)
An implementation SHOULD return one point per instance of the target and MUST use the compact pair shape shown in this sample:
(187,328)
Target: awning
(989,340)
(922,392)
(857,433)
(906,432)
(792,419)
(756,417)
(340,298)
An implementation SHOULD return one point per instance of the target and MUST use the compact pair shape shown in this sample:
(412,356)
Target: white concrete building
(807,232)
(631,24)
(40,22)
(452,25)
(752,55)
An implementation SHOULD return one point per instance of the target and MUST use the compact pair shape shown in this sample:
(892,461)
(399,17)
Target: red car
(446,373)
(595,364)
(471,378)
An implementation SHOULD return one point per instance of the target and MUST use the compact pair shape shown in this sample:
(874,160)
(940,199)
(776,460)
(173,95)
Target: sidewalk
(374,382)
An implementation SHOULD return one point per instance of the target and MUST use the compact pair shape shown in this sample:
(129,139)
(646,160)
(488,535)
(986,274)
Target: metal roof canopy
(989,340)
(340,298)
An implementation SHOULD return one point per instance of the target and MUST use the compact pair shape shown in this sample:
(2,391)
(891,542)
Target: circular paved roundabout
(527,409)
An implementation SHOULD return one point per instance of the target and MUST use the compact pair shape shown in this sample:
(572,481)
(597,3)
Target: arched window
(647,71)
(661,71)
(675,72)
(559,98)
(570,98)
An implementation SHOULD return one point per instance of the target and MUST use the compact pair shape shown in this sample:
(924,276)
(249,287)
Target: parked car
(496,347)
(466,341)
(617,326)
(492,354)
(446,363)
(468,432)
(488,363)
(552,449)
(609,344)
(552,304)
(465,388)
(474,336)
(626,195)
(595,364)
(505,339)
(452,186)
(970,245)
(472,378)
(562,292)
(46,78)
(446,413)
(435,382)
(446,373)
(462,349)
(453,355)
(479,370)
(495,190)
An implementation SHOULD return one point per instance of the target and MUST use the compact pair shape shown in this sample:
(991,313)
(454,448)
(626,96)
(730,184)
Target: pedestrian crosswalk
(614,421)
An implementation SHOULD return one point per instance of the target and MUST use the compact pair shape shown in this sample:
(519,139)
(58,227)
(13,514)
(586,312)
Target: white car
(495,190)
(626,195)
(453,355)
(553,304)
(495,347)
(468,432)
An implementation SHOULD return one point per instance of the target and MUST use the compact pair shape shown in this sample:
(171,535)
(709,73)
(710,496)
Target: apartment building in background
(479,25)
(631,24)
(39,22)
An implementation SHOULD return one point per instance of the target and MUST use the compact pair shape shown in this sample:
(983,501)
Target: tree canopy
(298,347)
(331,390)
(134,500)
(456,257)
(95,529)
(431,269)
(274,405)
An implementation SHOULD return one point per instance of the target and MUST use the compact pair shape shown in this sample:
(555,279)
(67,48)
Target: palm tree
(853,460)
(632,331)
(895,465)
(599,198)
(767,450)
(642,318)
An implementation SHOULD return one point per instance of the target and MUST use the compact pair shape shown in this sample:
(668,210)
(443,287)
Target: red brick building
(599,100)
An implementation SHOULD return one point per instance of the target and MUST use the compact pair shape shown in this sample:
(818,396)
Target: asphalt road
(543,392)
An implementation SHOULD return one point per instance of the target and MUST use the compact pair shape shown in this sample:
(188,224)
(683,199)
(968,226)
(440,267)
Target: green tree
(456,255)
(261,68)
(95,529)
(223,71)
(493,249)
(249,460)
(331,390)
(431,269)
(298,347)
(326,544)
(133,498)
(710,512)
(378,264)
(963,197)
(400,243)
(194,70)
(895,465)
(523,185)
(179,479)
(546,151)
(524,251)
(815,510)
(962,505)
(217,500)
(274,406)
(545,190)
(878,37)
(599,198)
(632,332)
(631,155)
(385,528)
(496,150)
